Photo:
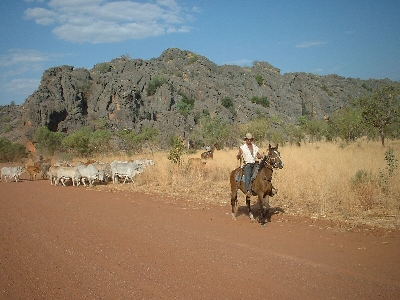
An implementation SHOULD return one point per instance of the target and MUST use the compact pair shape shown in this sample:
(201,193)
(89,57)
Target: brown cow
(209,154)
(33,171)
(196,162)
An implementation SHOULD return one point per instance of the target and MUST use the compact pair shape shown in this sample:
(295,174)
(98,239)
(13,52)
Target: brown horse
(261,186)
(208,154)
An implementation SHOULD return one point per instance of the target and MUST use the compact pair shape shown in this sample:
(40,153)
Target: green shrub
(11,151)
(7,128)
(260,101)
(362,177)
(227,102)
(177,150)
(329,92)
(47,142)
(259,79)
(154,84)
(103,68)
(185,105)
(384,175)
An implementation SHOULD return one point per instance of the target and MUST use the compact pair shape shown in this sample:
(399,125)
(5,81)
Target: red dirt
(78,243)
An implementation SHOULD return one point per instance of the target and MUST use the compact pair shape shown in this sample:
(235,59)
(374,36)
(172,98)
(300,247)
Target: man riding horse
(253,178)
(249,153)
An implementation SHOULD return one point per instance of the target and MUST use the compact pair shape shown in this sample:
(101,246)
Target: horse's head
(274,157)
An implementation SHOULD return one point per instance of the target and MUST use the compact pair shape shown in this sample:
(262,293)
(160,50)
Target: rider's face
(248,141)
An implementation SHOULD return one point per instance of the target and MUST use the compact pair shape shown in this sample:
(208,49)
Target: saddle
(241,177)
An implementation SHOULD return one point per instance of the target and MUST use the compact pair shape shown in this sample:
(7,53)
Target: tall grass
(324,180)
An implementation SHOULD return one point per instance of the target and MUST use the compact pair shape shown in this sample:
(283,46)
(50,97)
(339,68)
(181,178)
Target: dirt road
(77,243)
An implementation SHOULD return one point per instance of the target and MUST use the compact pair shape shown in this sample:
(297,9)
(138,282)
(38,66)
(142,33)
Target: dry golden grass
(316,181)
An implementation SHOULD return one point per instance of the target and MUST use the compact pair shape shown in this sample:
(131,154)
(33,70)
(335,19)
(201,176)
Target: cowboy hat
(248,136)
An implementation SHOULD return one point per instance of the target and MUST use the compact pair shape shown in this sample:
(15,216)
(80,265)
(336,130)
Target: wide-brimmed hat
(248,136)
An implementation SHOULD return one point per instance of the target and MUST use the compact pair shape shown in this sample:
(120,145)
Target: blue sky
(351,38)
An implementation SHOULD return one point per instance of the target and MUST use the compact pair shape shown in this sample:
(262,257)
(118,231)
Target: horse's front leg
(263,200)
(264,214)
(249,208)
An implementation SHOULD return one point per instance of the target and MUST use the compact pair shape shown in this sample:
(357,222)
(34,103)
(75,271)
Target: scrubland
(347,184)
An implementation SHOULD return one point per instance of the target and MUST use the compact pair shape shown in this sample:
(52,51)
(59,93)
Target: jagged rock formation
(117,91)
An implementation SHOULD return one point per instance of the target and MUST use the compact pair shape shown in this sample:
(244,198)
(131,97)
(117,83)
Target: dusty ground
(78,243)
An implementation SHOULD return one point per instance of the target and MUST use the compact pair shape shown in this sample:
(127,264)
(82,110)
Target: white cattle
(105,168)
(126,170)
(60,174)
(52,174)
(12,172)
(90,173)
(144,163)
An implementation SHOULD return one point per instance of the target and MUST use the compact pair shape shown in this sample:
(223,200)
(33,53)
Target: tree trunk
(383,138)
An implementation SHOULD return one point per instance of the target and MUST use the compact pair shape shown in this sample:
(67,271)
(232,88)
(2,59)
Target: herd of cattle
(85,173)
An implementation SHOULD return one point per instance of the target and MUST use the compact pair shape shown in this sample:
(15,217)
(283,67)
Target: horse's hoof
(264,225)
(233,217)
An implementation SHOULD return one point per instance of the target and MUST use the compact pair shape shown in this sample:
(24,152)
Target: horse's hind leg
(234,204)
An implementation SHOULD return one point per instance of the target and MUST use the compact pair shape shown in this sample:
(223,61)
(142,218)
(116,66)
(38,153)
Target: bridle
(272,161)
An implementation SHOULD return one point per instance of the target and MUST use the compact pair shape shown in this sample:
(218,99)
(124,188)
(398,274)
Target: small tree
(177,150)
(214,130)
(47,142)
(258,127)
(78,142)
(381,109)
(346,123)
(315,129)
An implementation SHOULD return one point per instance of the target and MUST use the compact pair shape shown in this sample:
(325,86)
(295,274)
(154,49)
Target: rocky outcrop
(117,92)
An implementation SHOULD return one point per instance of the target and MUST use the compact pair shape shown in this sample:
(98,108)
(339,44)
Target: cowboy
(249,152)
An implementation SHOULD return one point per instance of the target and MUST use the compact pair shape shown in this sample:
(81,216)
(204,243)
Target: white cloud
(40,15)
(310,44)
(21,86)
(25,57)
(242,62)
(101,21)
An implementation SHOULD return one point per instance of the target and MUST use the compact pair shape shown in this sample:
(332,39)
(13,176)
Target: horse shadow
(255,209)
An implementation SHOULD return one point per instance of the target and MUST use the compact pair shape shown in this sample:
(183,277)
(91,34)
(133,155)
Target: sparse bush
(154,84)
(384,175)
(177,150)
(185,105)
(47,142)
(260,100)
(193,58)
(7,128)
(11,151)
(366,87)
(103,68)
(259,79)
(6,118)
(329,92)
(227,102)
